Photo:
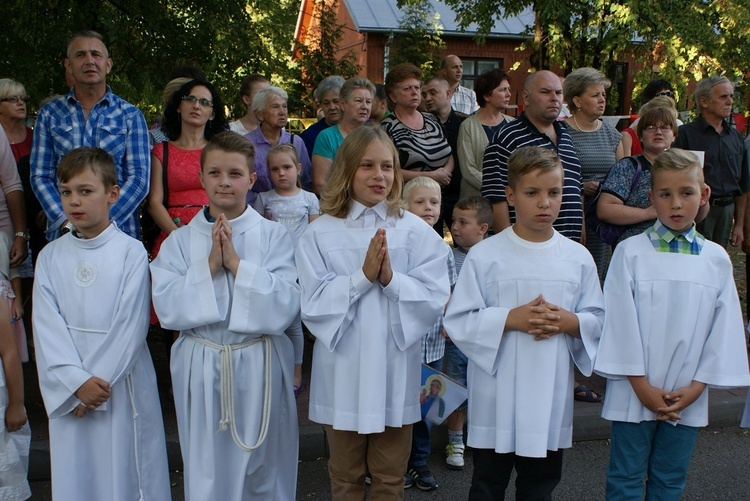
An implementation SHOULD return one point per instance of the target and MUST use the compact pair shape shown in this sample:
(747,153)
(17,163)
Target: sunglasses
(667,93)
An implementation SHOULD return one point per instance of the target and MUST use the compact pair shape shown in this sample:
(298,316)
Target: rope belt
(227,388)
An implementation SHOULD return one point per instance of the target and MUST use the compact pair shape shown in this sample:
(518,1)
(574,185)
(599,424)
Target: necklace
(596,127)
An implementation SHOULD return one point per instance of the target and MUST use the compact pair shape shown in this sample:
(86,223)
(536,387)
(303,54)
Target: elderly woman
(13,101)
(597,144)
(328,101)
(194,114)
(269,106)
(422,147)
(250,85)
(624,203)
(493,96)
(356,103)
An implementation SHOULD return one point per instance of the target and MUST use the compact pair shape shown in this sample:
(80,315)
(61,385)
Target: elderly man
(463,100)
(91,115)
(537,126)
(326,97)
(436,96)
(725,165)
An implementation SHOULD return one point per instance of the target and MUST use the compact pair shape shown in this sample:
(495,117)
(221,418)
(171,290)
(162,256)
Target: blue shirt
(665,239)
(113,125)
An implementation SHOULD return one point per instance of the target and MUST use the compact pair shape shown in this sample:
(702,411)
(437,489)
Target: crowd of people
(260,234)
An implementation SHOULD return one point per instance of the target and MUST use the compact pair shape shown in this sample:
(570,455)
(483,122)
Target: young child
(293,207)
(373,282)
(472,218)
(527,305)
(15,434)
(91,313)
(422,198)
(673,327)
(227,282)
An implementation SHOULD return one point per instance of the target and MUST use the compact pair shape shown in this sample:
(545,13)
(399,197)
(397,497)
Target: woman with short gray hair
(597,144)
(269,107)
(356,97)
(328,101)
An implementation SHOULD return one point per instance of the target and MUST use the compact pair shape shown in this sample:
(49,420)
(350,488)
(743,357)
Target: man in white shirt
(463,100)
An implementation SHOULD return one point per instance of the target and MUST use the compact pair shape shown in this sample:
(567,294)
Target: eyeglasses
(667,93)
(662,128)
(200,100)
(14,99)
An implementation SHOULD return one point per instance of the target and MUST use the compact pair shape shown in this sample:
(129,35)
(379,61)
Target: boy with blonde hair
(674,328)
(526,306)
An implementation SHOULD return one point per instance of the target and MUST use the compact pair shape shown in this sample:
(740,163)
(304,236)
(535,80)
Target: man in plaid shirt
(91,115)
(463,100)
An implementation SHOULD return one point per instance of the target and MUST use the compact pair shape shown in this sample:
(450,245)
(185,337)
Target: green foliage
(227,39)
(685,40)
(320,58)
(419,42)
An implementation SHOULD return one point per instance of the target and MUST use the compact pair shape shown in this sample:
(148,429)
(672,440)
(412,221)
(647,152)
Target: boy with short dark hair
(526,306)
(472,218)
(675,327)
(227,281)
(91,312)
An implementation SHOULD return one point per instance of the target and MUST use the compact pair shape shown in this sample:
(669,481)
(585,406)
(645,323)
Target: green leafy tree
(227,39)
(419,40)
(321,57)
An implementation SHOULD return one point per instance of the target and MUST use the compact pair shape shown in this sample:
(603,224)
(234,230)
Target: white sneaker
(454,456)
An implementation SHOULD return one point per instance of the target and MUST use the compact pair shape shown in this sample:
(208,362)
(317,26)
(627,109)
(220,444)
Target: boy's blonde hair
(230,142)
(676,159)
(290,150)
(420,182)
(337,194)
(96,159)
(478,204)
(528,159)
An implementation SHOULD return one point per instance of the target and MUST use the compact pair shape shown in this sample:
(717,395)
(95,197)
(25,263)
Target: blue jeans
(656,448)
(420,433)
(455,367)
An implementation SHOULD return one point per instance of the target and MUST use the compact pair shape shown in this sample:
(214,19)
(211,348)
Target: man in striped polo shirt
(537,126)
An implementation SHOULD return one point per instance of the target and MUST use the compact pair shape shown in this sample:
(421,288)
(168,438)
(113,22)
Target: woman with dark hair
(422,147)
(250,85)
(194,114)
(493,96)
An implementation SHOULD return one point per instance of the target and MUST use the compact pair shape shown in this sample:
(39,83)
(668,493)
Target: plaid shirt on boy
(666,240)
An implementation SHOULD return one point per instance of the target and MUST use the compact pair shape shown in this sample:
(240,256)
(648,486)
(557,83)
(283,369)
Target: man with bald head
(91,115)
(537,126)
(463,100)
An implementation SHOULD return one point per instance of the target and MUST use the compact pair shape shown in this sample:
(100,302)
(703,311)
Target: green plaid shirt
(666,240)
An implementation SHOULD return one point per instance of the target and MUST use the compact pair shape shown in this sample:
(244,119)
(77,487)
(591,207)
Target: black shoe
(423,477)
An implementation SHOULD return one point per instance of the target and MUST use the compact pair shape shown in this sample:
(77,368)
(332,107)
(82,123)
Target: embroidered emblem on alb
(85,274)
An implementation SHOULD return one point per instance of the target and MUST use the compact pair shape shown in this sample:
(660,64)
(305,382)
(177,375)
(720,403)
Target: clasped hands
(93,393)
(377,263)
(542,319)
(222,252)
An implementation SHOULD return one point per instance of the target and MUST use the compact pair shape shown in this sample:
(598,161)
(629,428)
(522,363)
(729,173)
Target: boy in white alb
(91,313)
(227,282)
(526,306)
(673,327)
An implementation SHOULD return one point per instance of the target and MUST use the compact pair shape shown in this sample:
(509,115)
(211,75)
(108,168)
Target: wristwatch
(67,227)
(23,234)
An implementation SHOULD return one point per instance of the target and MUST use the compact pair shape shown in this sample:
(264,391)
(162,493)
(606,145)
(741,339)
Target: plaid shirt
(464,100)
(433,344)
(114,125)
(666,240)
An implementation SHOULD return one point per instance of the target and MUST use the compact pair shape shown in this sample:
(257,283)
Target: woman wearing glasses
(269,106)
(194,114)
(13,101)
(631,143)
(624,199)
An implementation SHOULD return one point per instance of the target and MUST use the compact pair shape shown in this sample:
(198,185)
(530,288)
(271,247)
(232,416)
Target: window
(473,67)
